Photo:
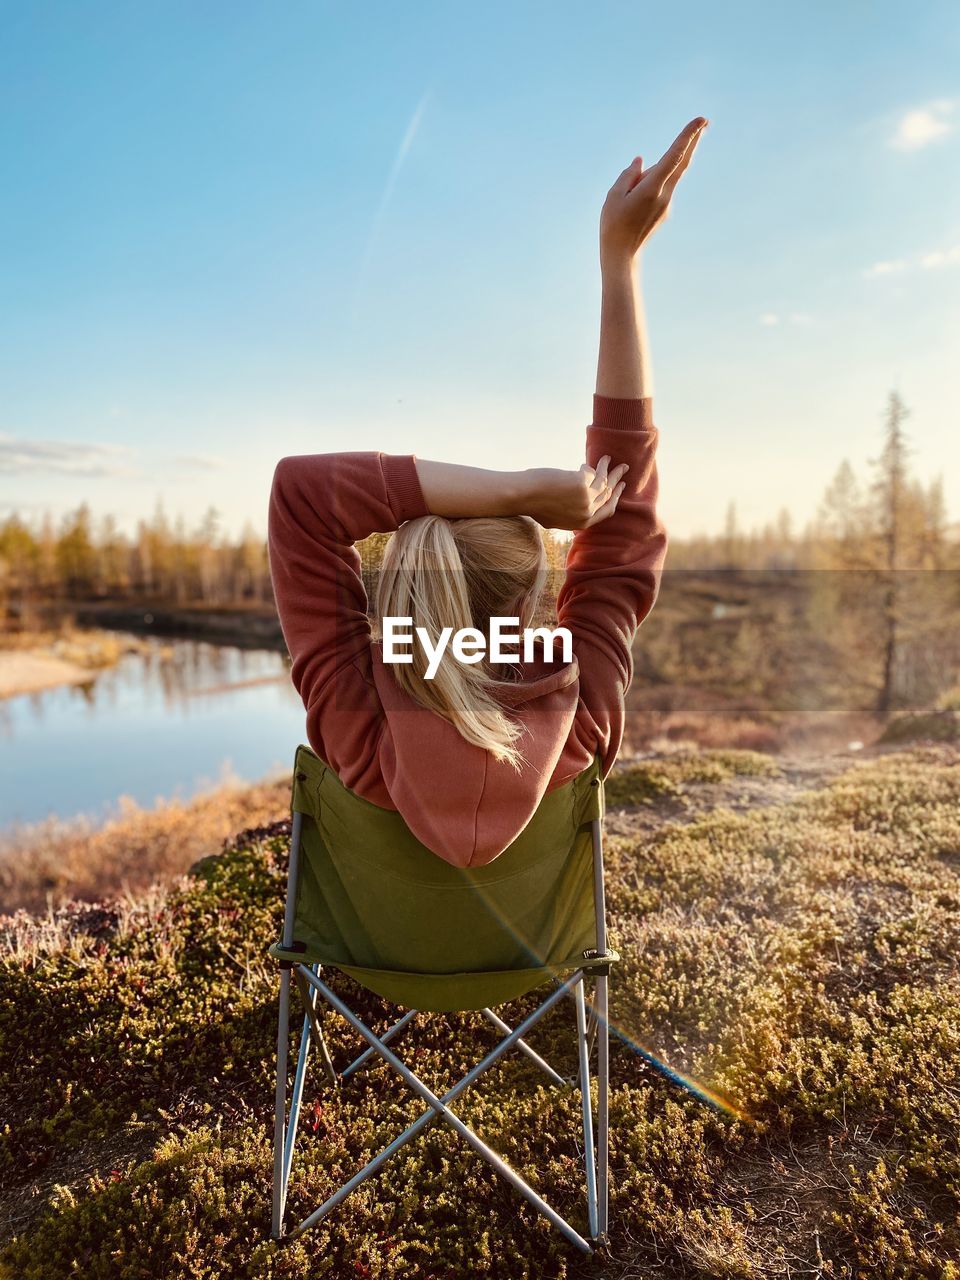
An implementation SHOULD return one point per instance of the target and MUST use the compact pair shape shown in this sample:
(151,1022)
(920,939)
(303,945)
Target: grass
(796,958)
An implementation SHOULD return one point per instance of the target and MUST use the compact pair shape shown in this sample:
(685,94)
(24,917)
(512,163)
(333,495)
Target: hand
(639,199)
(575,499)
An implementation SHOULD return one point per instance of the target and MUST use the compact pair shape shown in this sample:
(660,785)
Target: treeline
(888,522)
(84,559)
(863,605)
(873,608)
(889,518)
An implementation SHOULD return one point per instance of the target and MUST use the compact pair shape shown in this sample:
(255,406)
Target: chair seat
(372,900)
(446,992)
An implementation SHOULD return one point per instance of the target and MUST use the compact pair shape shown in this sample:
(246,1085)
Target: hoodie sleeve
(320,505)
(613,572)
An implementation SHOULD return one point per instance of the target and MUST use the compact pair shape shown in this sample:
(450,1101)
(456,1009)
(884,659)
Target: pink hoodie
(454,797)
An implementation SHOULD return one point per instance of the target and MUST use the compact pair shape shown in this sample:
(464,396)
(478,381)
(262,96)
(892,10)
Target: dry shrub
(89,647)
(46,863)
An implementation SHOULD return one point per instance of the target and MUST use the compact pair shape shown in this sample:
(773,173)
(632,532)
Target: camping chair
(366,897)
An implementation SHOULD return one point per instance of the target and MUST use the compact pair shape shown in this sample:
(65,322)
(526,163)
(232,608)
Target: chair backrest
(370,898)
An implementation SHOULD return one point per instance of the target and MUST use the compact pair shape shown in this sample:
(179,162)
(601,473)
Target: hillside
(789,928)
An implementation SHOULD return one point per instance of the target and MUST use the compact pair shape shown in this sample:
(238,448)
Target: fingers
(630,176)
(636,171)
(681,143)
(678,149)
(609,507)
(680,167)
(606,486)
(602,478)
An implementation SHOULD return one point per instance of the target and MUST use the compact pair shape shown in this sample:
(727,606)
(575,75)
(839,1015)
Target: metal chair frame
(310,985)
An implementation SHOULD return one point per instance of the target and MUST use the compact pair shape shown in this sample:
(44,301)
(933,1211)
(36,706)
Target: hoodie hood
(455,797)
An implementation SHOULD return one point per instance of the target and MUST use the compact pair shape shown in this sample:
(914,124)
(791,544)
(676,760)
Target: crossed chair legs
(310,985)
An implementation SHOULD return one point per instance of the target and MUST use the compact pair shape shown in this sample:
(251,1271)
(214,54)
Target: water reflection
(166,721)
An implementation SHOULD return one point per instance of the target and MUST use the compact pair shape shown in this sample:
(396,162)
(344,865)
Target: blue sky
(235,231)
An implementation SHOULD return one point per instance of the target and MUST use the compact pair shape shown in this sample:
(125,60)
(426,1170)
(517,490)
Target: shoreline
(71,643)
(255,627)
(41,659)
(24,671)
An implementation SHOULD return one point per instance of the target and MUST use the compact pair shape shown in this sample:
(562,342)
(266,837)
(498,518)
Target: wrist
(618,264)
(525,491)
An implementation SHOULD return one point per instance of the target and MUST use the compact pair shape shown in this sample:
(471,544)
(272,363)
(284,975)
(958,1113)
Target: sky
(238,231)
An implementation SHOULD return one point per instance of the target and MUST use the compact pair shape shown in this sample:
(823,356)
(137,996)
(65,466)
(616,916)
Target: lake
(169,722)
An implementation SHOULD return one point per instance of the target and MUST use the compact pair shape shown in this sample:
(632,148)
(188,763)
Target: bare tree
(889,491)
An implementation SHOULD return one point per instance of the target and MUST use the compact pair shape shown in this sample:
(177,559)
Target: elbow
(659,541)
(279,501)
(281,472)
(286,474)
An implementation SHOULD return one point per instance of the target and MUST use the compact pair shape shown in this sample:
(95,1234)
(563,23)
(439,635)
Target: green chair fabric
(373,901)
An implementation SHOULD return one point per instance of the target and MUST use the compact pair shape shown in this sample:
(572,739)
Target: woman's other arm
(556,498)
(320,505)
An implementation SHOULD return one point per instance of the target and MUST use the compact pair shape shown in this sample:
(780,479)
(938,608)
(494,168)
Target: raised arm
(623,362)
(613,567)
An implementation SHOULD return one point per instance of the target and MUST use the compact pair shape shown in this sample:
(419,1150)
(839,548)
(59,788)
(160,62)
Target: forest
(858,608)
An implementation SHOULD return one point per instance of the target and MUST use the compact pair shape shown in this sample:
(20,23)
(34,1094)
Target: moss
(796,963)
(671,775)
(916,726)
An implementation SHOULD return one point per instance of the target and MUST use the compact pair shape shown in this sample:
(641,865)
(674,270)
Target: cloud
(771,318)
(198,462)
(884,268)
(928,261)
(941,258)
(923,125)
(62,457)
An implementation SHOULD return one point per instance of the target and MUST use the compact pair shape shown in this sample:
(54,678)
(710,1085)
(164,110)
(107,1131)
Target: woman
(466,756)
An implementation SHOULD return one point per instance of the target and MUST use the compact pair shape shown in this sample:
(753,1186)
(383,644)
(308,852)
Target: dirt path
(799,771)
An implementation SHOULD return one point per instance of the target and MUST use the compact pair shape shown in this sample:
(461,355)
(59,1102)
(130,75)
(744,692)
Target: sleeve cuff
(618,414)
(403,486)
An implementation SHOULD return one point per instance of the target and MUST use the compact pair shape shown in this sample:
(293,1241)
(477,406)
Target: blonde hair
(461,573)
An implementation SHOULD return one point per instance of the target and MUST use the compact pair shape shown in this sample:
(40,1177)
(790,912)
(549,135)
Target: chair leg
(285,1133)
(309,997)
(276,1225)
(587,1107)
(592,1022)
(369,1053)
(603,1100)
(525,1048)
